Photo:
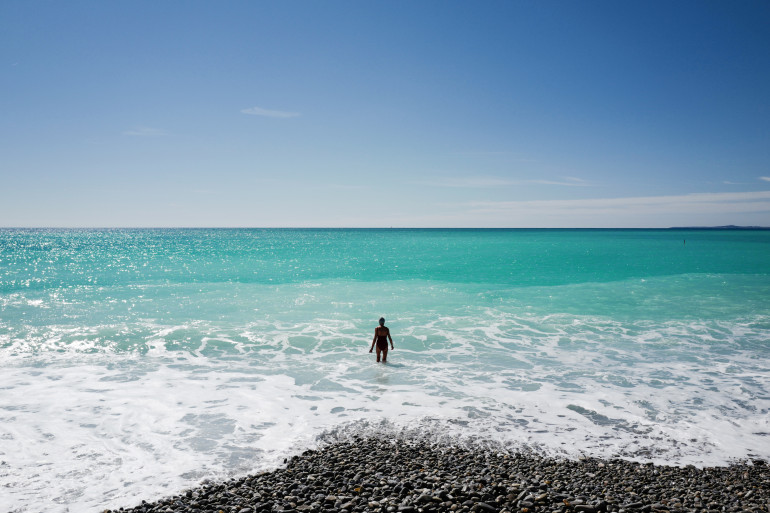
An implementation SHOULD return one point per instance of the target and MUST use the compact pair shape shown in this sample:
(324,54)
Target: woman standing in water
(381,337)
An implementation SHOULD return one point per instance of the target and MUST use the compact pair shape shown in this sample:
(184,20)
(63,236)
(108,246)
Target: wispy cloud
(349,187)
(146,132)
(469,182)
(510,156)
(765,178)
(568,181)
(697,203)
(485,182)
(480,153)
(259,111)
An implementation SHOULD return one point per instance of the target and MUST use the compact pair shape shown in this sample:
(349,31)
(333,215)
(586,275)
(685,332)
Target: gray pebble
(398,474)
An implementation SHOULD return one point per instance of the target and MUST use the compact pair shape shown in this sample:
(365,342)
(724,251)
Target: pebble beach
(398,474)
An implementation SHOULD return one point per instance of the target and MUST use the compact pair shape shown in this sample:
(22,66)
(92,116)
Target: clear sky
(377,114)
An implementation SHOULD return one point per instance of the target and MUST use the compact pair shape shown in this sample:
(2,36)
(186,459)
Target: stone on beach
(407,475)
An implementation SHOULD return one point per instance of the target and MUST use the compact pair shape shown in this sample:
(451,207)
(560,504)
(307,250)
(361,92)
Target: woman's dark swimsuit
(382,339)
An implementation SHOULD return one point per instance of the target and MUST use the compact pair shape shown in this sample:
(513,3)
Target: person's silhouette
(381,337)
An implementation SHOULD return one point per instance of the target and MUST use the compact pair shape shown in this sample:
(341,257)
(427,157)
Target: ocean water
(136,363)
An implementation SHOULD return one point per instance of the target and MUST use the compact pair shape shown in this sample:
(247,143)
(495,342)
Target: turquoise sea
(136,363)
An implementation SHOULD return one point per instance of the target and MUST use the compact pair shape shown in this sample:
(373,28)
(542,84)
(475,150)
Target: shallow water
(134,363)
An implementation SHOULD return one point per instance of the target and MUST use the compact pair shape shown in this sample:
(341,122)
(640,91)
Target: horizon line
(704,227)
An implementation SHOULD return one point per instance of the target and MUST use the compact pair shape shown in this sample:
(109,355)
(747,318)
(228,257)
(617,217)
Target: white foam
(91,420)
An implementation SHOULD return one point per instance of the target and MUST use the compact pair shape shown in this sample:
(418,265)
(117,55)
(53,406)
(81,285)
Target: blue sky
(370,114)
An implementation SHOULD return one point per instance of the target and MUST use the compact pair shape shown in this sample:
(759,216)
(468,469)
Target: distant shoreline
(381,228)
(728,227)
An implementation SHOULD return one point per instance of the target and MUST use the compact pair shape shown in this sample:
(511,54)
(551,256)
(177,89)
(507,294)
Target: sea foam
(138,388)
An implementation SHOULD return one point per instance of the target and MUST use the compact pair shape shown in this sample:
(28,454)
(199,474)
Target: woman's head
(382,321)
